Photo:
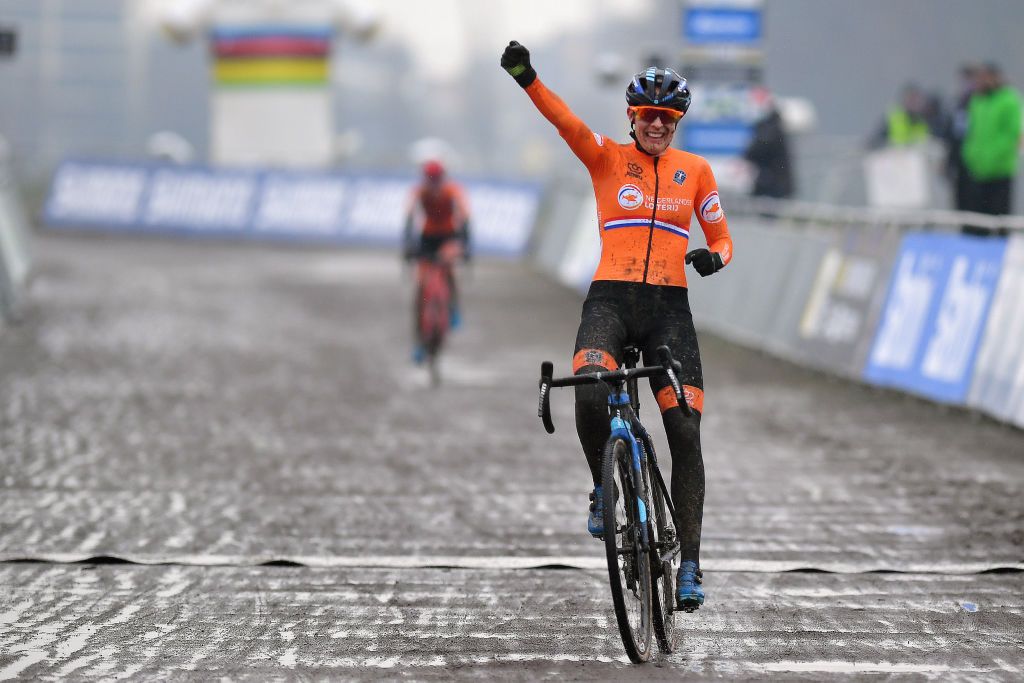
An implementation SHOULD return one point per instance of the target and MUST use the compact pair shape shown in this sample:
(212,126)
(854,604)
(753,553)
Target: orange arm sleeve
(711,216)
(586,145)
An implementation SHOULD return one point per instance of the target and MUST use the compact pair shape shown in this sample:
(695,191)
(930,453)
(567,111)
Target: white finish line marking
(509,562)
(866,667)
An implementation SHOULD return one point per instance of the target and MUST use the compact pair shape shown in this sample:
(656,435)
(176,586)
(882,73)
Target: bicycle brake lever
(544,406)
(671,367)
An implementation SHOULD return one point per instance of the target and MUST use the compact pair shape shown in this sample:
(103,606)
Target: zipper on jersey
(654,214)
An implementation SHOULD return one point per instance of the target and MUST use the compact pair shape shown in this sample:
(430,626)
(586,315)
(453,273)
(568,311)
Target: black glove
(516,61)
(705,262)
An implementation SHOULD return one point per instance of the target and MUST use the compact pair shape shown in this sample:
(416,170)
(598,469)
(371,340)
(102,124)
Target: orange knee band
(585,357)
(694,398)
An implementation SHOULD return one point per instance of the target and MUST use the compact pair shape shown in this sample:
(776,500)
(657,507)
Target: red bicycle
(434,274)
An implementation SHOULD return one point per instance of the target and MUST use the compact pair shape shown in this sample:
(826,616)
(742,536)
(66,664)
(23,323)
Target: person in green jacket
(991,146)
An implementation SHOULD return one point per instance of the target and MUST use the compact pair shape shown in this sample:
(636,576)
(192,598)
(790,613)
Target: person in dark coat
(958,176)
(768,151)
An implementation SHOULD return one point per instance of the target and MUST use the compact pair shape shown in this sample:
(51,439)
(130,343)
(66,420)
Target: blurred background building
(101,78)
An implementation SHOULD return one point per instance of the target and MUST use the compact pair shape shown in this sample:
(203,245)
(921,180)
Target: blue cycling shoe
(595,520)
(454,318)
(419,354)
(689,594)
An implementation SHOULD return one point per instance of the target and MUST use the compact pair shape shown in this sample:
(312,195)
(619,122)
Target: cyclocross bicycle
(433,306)
(640,538)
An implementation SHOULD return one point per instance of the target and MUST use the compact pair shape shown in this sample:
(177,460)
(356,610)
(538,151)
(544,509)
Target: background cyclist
(646,194)
(438,215)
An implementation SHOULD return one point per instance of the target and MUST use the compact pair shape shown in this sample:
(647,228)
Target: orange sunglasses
(649,114)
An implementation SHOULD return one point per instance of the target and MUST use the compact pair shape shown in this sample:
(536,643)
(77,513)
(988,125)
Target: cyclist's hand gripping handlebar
(671,368)
(544,409)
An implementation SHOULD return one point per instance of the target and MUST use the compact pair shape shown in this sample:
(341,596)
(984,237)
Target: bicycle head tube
(620,398)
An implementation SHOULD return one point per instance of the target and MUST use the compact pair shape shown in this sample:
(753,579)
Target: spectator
(991,144)
(906,123)
(935,115)
(954,138)
(768,151)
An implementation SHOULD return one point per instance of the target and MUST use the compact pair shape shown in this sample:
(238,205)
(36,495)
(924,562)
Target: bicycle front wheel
(664,563)
(433,326)
(629,565)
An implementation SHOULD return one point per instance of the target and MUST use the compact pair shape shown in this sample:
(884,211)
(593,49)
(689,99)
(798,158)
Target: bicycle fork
(621,428)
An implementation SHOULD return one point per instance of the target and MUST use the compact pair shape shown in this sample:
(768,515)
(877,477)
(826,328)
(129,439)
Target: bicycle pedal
(688,607)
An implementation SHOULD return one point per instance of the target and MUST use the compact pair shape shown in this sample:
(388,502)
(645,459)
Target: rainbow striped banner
(267,56)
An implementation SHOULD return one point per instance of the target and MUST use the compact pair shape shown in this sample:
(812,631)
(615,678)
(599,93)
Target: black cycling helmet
(658,88)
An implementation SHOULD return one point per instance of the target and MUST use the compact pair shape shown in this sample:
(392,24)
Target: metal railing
(827,215)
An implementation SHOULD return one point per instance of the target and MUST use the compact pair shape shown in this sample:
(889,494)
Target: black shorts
(431,244)
(617,314)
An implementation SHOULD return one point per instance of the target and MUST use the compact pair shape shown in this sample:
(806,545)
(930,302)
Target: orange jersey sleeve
(711,216)
(588,146)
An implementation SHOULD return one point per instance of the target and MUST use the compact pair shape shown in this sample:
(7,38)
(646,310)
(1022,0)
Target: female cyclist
(646,193)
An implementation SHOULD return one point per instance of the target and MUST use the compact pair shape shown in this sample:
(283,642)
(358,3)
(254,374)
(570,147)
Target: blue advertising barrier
(998,386)
(934,315)
(334,207)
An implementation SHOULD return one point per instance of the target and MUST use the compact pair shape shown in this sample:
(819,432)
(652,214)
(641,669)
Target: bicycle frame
(432,307)
(639,436)
(622,419)
(434,271)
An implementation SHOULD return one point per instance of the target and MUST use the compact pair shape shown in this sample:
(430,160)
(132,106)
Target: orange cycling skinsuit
(439,206)
(644,203)
(638,295)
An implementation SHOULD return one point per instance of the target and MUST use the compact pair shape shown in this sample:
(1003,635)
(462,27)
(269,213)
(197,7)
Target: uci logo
(630,197)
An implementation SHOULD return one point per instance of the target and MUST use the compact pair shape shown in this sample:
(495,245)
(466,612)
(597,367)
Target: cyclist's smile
(654,136)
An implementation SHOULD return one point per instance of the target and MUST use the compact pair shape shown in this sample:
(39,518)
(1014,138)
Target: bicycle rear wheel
(432,348)
(629,565)
(663,572)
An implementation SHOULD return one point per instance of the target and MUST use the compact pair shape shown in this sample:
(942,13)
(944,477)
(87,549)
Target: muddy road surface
(218,460)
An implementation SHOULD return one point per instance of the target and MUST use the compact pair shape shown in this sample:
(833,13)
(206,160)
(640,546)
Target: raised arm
(588,146)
